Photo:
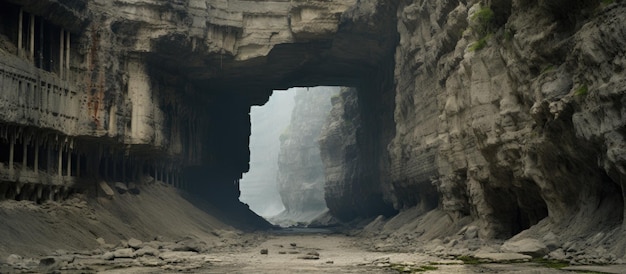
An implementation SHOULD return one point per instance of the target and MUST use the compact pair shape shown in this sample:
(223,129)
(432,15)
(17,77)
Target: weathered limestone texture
(348,192)
(125,90)
(259,187)
(512,112)
(300,169)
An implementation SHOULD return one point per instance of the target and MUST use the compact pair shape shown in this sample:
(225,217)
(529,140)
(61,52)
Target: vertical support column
(31,38)
(11,152)
(36,164)
(61,48)
(60,162)
(24,154)
(20,29)
(48,158)
(67,56)
(155,172)
(69,163)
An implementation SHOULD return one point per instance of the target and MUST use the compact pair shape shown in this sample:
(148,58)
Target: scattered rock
(282,252)
(264,251)
(294,252)
(124,253)
(551,241)
(309,257)
(121,187)
(147,250)
(47,261)
(134,243)
(106,189)
(313,253)
(330,262)
(532,247)
(133,189)
(176,256)
(101,241)
(293,244)
(471,232)
(108,256)
(14,259)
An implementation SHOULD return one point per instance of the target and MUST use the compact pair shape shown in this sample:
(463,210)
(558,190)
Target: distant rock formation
(259,187)
(300,169)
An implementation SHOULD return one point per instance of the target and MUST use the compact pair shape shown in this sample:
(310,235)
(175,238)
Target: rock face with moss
(512,113)
(300,169)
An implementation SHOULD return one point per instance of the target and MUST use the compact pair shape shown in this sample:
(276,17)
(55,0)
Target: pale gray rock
(121,187)
(124,253)
(532,247)
(134,243)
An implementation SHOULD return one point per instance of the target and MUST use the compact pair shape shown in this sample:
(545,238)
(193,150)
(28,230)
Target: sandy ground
(158,231)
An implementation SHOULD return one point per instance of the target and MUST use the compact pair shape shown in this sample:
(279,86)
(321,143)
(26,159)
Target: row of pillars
(64,44)
(50,154)
(116,167)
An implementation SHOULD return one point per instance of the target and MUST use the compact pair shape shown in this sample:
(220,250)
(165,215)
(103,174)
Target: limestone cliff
(512,112)
(300,170)
(505,114)
(259,188)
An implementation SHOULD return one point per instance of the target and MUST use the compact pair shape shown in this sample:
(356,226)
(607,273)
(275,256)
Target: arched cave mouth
(285,183)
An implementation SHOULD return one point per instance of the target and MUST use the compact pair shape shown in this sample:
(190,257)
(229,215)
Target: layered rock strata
(127,90)
(300,174)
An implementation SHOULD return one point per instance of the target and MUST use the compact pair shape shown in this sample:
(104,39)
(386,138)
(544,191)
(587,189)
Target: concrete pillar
(48,159)
(61,48)
(36,164)
(31,38)
(60,162)
(20,29)
(11,152)
(69,163)
(24,155)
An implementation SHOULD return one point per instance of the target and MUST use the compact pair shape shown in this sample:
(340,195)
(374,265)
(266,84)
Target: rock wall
(512,112)
(300,169)
(350,190)
(259,186)
(126,90)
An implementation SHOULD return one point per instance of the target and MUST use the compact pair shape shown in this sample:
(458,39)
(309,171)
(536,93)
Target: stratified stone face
(511,117)
(300,169)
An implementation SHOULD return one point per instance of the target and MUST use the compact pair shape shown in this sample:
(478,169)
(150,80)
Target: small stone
(313,253)
(134,243)
(471,232)
(108,256)
(282,252)
(101,241)
(529,246)
(106,189)
(124,253)
(330,262)
(121,187)
(147,250)
(309,257)
(264,251)
(45,262)
(14,259)
(293,244)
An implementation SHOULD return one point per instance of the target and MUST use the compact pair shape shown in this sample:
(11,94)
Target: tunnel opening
(285,184)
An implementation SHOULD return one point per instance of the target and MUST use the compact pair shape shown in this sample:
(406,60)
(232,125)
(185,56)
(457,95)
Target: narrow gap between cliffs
(285,183)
